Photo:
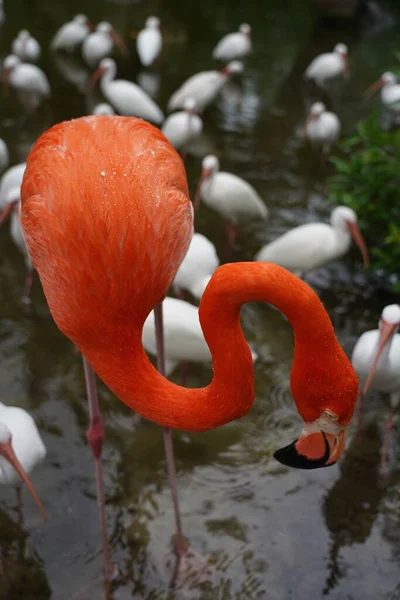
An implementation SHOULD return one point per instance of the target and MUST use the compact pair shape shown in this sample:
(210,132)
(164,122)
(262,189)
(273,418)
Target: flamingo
(71,34)
(99,44)
(184,126)
(27,79)
(103,109)
(328,66)
(230,195)
(234,45)
(322,128)
(117,225)
(203,87)
(4,155)
(390,91)
(21,450)
(126,97)
(26,47)
(376,360)
(199,264)
(149,41)
(310,246)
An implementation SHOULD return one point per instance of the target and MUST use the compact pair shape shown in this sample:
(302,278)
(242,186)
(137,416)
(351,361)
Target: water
(267,532)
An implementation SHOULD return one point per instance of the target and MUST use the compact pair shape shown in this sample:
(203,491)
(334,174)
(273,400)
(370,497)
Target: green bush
(368,181)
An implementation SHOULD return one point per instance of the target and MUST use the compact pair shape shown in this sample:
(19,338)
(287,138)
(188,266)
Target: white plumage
(103,109)
(203,87)
(71,34)
(26,47)
(229,195)
(149,42)
(12,178)
(328,66)
(390,92)
(14,198)
(126,97)
(183,127)
(27,79)
(234,45)
(312,245)
(322,127)
(197,267)
(100,44)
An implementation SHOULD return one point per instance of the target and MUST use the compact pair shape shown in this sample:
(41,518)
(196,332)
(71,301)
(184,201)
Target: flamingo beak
(359,240)
(387,330)
(96,76)
(119,42)
(375,87)
(7,212)
(313,450)
(7,451)
(204,175)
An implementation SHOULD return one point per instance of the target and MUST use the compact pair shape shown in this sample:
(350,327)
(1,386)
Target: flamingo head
(388,78)
(7,452)
(345,219)
(11,203)
(108,29)
(245,29)
(106,65)
(152,23)
(388,325)
(235,66)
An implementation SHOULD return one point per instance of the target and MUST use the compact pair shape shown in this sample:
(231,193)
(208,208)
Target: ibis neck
(231,393)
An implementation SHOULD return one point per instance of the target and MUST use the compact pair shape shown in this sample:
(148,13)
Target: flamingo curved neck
(318,358)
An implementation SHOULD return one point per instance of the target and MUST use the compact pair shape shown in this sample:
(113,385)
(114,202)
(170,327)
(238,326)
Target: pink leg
(385,445)
(180,543)
(26,296)
(95,436)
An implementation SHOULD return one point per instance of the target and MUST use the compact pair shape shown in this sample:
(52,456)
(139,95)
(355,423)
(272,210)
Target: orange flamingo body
(107,220)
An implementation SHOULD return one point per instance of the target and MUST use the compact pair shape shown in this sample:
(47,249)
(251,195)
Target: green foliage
(368,181)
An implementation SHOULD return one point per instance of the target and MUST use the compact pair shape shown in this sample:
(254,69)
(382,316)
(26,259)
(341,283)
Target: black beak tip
(289,457)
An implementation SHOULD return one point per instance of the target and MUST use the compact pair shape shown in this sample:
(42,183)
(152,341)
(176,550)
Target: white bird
(149,41)
(26,47)
(390,91)
(328,66)
(29,80)
(229,195)
(12,178)
(197,267)
(126,97)
(183,336)
(71,34)
(376,360)
(322,128)
(234,45)
(100,43)
(103,109)
(184,126)
(310,246)
(203,87)
(21,450)
(4,156)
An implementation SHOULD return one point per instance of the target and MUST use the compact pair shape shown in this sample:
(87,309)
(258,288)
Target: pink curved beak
(387,330)
(375,87)
(359,240)
(119,42)
(6,212)
(7,451)
(197,197)
(96,76)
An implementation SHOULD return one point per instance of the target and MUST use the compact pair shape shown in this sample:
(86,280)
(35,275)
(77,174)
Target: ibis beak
(96,76)
(7,451)
(387,330)
(119,42)
(6,212)
(375,87)
(359,240)
(313,450)
(204,175)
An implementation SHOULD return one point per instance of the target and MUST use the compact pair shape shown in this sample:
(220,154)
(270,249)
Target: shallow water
(266,531)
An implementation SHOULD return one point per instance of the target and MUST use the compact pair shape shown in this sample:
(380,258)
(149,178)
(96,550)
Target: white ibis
(328,66)
(21,450)
(29,80)
(100,43)
(149,42)
(4,155)
(390,91)
(310,246)
(184,126)
(203,86)
(376,360)
(126,97)
(322,128)
(26,47)
(234,45)
(71,34)
(229,195)
(103,109)
(196,269)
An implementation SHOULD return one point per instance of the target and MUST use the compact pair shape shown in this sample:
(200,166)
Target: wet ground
(266,531)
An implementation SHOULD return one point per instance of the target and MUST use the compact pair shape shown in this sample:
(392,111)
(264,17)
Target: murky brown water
(269,532)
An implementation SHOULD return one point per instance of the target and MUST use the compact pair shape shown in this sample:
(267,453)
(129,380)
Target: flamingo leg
(95,437)
(180,542)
